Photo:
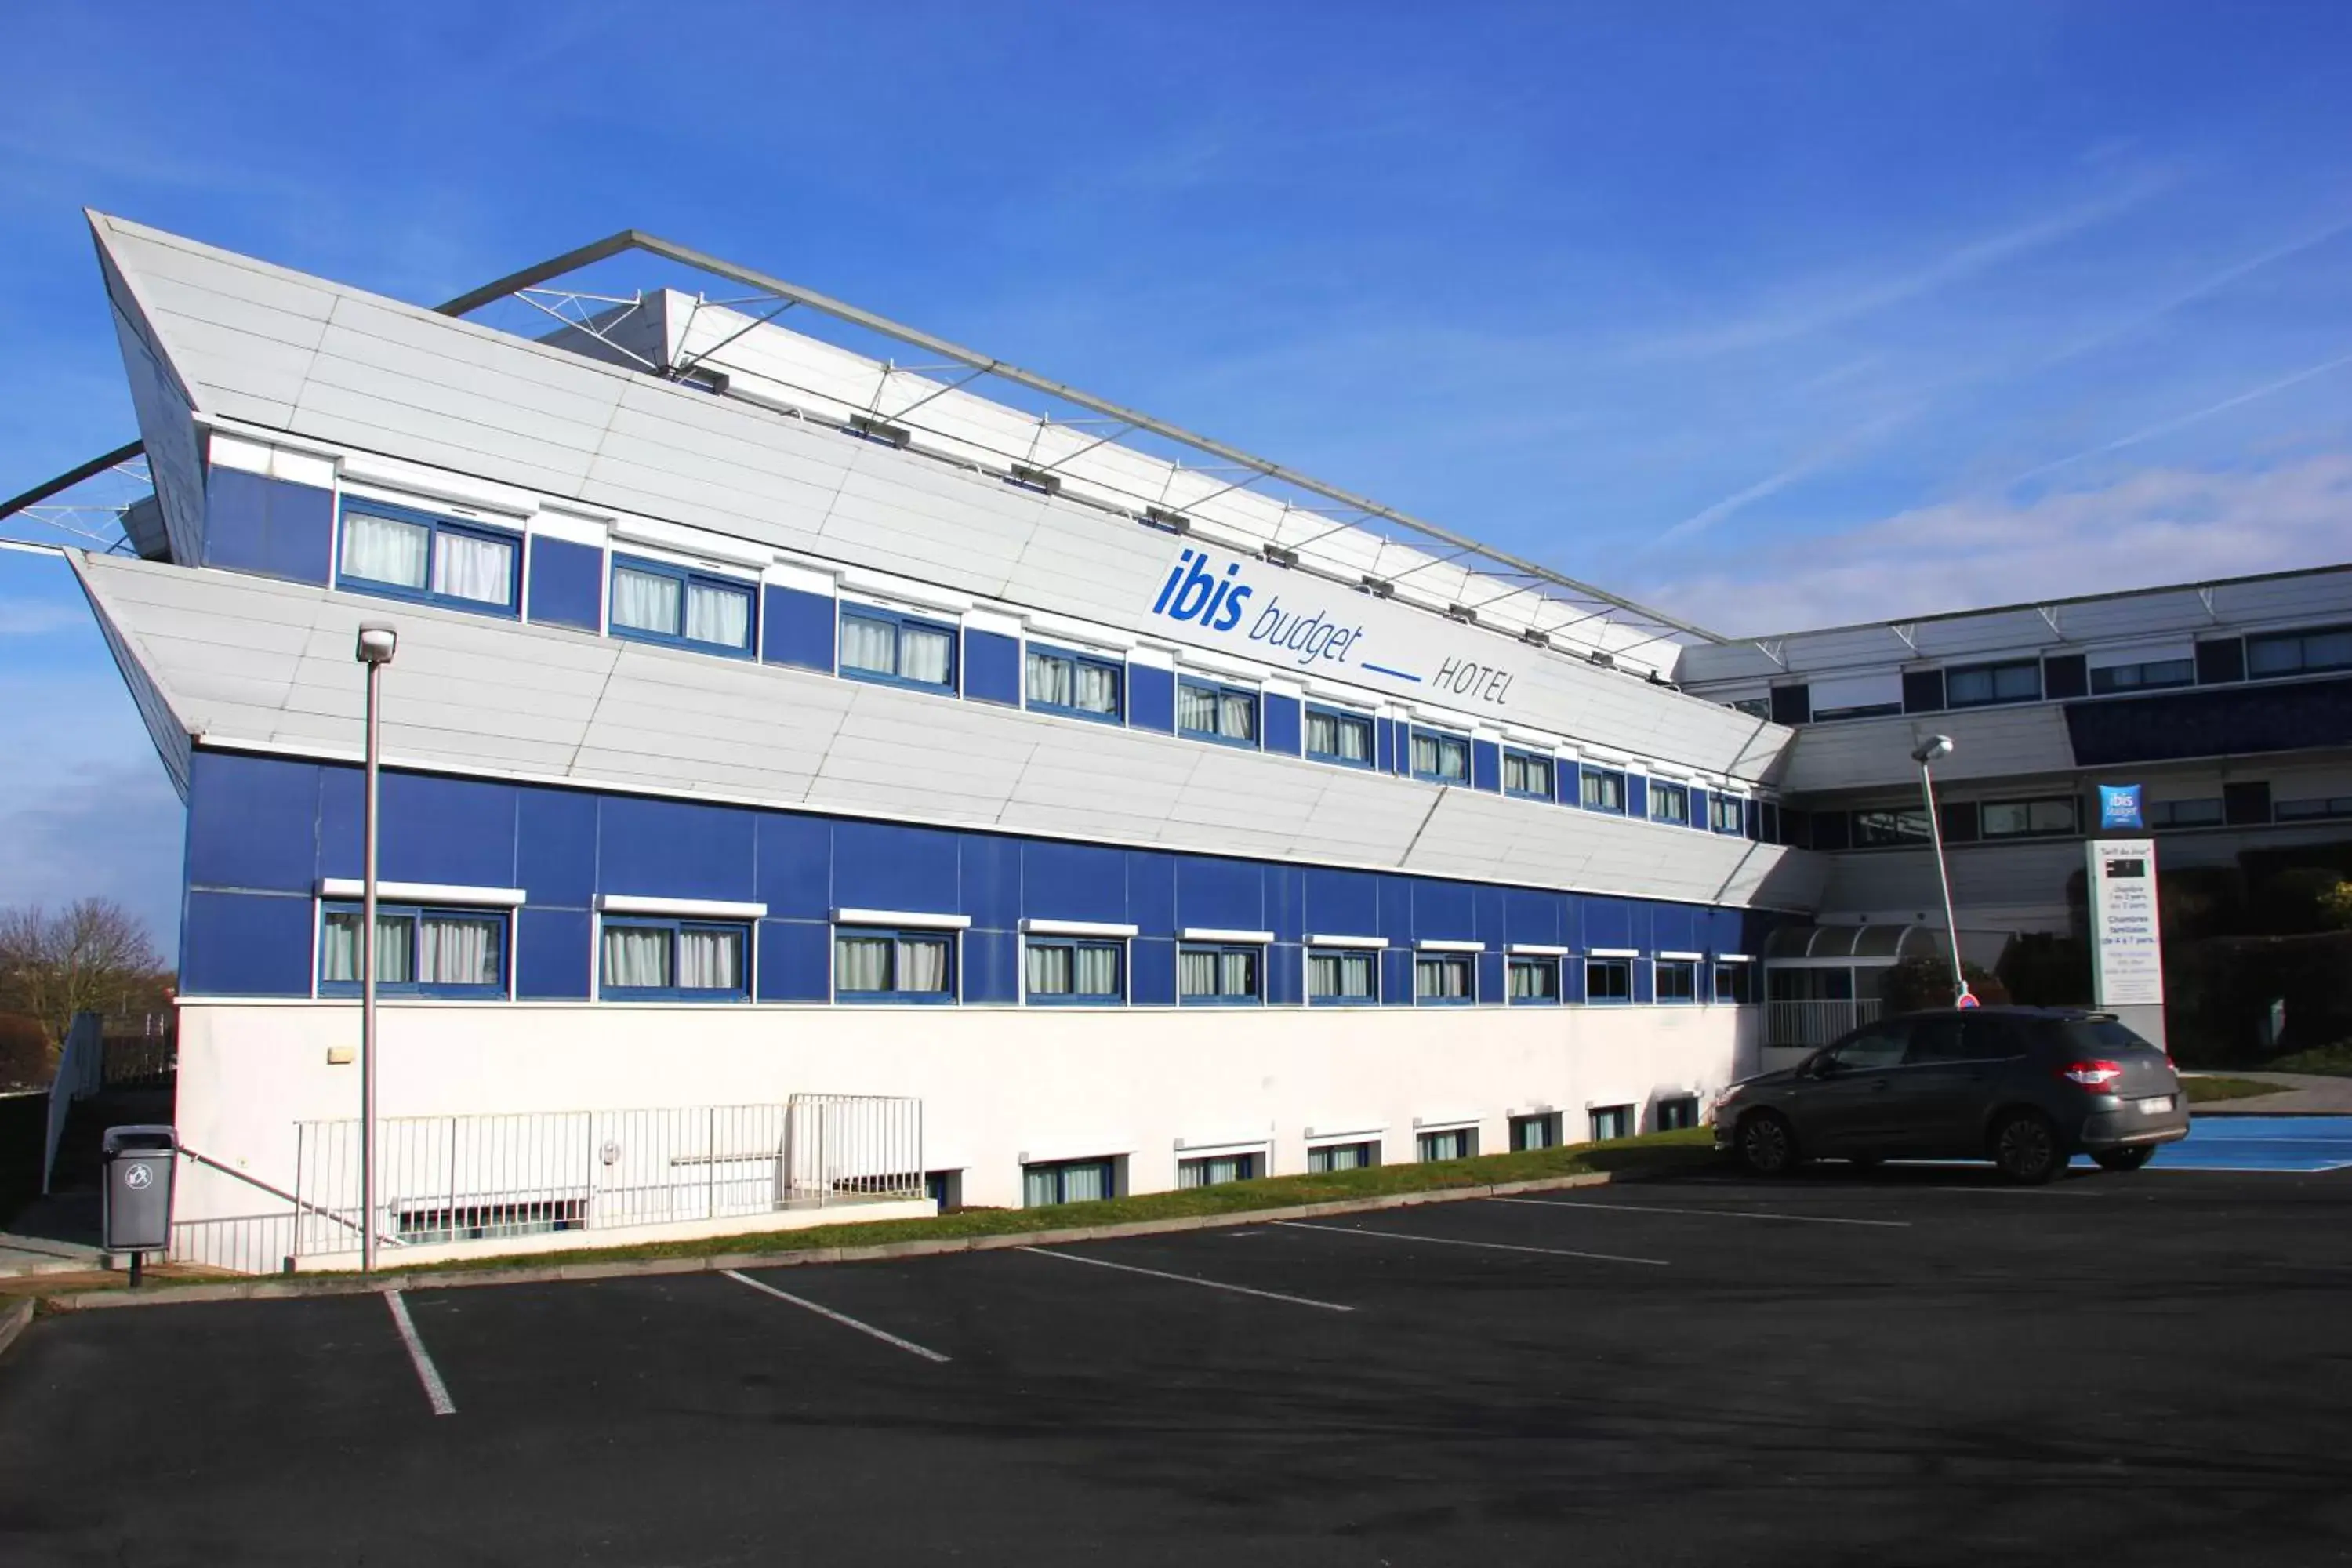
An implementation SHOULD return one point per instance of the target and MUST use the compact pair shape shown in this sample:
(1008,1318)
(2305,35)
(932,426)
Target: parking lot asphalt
(1918,1366)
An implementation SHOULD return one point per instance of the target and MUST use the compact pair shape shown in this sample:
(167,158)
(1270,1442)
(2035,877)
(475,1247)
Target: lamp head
(376,643)
(1931,749)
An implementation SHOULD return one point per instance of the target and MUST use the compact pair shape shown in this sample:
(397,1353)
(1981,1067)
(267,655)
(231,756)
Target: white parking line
(1708,1214)
(436,1392)
(843,1318)
(1190,1280)
(1457,1241)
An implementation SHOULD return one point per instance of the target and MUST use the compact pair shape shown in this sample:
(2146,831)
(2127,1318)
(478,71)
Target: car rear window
(2099,1035)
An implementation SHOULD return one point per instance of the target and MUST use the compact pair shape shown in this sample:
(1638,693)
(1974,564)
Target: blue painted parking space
(2260,1143)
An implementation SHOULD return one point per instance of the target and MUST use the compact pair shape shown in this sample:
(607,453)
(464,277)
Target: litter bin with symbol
(137,1203)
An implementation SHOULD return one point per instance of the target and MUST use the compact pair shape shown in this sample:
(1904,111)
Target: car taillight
(2098,1076)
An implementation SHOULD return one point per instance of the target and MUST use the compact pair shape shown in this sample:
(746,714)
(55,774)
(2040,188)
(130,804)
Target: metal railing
(473,1178)
(139,1061)
(1815,1024)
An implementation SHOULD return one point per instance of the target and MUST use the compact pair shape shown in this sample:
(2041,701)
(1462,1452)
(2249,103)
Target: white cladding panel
(2019,742)
(472,693)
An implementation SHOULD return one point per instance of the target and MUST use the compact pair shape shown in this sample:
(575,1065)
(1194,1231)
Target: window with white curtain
(1535,978)
(661,960)
(1326,1157)
(1669,803)
(1445,977)
(1336,976)
(655,602)
(1456,1144)
(1215,1170)
(1335,735)
(1075,683)
(418,952)
(1068,1182)
(1056,969)
(1209,711)
(1526,773)
(1441,758)
(417,556)
(871,965)
(882,645)
(1540,1131)
(1207,975)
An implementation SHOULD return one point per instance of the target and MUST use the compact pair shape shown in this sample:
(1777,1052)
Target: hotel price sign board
(2126,947)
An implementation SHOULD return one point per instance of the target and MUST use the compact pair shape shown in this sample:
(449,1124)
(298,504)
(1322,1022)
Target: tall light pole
(376,643)
(1925,753)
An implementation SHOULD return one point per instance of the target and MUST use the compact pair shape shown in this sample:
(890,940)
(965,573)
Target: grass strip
(2205,1090)
(2332,1061)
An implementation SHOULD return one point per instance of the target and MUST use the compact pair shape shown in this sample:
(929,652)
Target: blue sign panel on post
(2119,808)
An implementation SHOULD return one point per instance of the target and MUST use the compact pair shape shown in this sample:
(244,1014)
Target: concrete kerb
(629,1267)
(13,1319)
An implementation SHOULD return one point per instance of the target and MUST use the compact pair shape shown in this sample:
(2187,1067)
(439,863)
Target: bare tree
(92,956)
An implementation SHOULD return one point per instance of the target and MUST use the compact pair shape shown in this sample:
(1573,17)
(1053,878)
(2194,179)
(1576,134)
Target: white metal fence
(1815,1024)
(471,1178)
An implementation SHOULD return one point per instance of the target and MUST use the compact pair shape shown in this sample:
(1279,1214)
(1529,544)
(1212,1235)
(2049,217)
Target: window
(1877,1048)
(1677,980)
(2299,653)
(2318,808)
(1060,970)
(872,965)
(1534,979)
(2185,813)
(1733,983)
(1327,1157)
(1215,1170)
(1068,1182)
(1441,758)
(416,555)
(656,603)
(1754,707)
(1448,977)
(1976,685)
(2029,818)
(1883,827)
(1527,774)
(1209,711)
(1211,976)
(1455,1143)
(1603,791)
(1726,814)
(418,1227)
(1075,683)
(881,645)
(1608,980)
(1680,1112)
(418,952)
(1539,1132)
(1669,803)
(1611,1122)
(1337,976)
(2108,679)
(1334,735)
(944,1188)
(685,960)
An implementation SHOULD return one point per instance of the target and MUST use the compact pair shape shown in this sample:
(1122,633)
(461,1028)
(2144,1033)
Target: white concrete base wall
(999,1087)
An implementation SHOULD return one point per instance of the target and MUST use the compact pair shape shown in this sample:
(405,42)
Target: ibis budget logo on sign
(1217,603)
(2119,809)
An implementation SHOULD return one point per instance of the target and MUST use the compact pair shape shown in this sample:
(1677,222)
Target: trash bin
(137,1201)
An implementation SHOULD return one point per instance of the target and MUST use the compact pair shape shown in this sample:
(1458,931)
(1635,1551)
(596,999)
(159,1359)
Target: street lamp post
(376,643)
(1925,753)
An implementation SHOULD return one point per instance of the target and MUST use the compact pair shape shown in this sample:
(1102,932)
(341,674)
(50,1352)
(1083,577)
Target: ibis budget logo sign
(1233,604)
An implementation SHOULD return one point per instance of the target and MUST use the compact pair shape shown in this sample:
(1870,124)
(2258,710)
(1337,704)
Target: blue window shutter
(1698,812)
(1384,744)
(269,527)
(1637,796)
(1281,724)
(1570,782)
(1151,705)
(567,584)
(992,667)
(1486,766)
(799,629)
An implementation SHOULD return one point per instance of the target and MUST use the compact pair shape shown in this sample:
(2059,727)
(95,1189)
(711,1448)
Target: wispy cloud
(39,617)
(1811,463)
(2181,422)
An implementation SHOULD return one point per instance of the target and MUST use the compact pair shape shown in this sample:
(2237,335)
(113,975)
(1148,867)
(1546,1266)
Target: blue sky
(1774,315)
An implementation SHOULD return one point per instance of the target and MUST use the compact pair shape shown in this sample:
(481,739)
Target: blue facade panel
(1151,699)
(435,829)
(1444,911)
(1396,977)
(795,961)
(795,870)
(1396,908)
(268,526)
(1486,766)
(1491,984)
(253,822)
(1698,809)
(1151,892)
(1281,723)
(567,584)
(1285,901)
(675,849)
(1637,796)
(1227,894)
(1608,922)
(555,846)
(1645,980)
(1073,882)
(991,881)
(246,944)
(1285,974)
(1569,782)
(1151,964)
(883,866)
(1384,745)
(991,974)
(1673,928)
(1531,916)
(552,952)
(797,628)
(992,667)
(1341,903)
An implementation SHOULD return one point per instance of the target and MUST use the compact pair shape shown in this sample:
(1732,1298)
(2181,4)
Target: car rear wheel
(2025,1146)
(1768,1144)
(2125,1159)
